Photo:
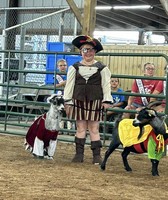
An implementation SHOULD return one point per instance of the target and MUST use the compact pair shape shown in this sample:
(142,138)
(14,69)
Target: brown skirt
(86,110)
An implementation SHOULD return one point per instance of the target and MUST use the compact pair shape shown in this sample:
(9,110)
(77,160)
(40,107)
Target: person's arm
(60,80)
(70,83)
(62,84)
(130,100)
(134,89)
(158,90)
(155,92)
(119,104)
(106,87)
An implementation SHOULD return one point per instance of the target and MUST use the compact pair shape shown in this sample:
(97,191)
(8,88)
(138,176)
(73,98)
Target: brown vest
(90,90)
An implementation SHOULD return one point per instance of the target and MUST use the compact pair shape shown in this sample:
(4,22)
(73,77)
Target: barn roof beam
(165,5)
(87,19)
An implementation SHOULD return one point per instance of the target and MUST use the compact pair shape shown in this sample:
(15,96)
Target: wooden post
(165,5)
(88,20)
(141,38)
(89,17)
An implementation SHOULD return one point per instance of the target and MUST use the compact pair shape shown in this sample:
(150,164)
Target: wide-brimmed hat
(85,39)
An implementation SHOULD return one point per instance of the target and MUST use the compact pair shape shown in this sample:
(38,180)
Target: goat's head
(144,117)
(150,116)
(57,102)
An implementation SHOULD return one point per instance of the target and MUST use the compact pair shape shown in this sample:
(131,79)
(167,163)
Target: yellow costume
(129,134)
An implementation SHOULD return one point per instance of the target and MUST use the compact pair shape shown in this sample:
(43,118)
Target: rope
(161,144)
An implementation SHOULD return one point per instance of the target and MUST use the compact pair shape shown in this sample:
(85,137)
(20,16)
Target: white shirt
(86,72)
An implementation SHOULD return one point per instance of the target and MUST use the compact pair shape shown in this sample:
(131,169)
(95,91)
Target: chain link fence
(32,30)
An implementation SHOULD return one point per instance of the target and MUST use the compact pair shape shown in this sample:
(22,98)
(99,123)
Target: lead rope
(160,137)
(161,143)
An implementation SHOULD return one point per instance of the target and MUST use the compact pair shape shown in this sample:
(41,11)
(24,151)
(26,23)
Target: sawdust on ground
(24,177)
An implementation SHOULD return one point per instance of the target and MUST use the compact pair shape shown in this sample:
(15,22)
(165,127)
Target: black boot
(96,147)
(80,142)
(155,164)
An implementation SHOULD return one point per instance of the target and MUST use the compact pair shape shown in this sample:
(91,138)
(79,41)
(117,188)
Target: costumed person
(86,94)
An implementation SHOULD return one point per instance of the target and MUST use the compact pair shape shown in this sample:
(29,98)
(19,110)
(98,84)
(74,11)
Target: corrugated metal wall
(133,65)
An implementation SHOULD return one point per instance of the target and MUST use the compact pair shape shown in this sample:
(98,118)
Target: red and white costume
(39,138)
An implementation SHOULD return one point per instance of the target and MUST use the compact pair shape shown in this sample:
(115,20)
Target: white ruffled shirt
(86,72)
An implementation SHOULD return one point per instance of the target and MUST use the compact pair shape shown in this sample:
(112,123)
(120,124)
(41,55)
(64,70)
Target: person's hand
(106,105)
(129,107)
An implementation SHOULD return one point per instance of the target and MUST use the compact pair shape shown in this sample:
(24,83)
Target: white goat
(41,138)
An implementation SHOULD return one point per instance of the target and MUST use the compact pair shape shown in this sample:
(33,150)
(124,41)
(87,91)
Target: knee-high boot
(96,148)
(80,142)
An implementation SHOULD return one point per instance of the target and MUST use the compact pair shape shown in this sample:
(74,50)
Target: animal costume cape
(37,129)
(152,144)
(128,133)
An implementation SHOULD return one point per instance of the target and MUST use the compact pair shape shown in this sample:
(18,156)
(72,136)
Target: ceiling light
(131,7)
(103,7)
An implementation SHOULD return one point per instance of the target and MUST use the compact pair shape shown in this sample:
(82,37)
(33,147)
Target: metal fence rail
(14,121)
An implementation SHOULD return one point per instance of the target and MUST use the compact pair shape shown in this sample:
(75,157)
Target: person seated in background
(61,78)
(118,102)
(160,89)
(61,82)
(118,99)
(142,86)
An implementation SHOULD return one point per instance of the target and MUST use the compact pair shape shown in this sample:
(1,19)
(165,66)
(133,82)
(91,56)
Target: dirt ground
(23,177)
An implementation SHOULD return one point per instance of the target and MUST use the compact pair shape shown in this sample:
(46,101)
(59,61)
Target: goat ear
(50,97)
